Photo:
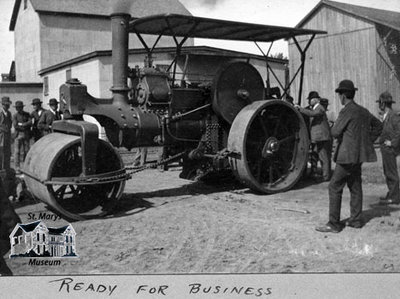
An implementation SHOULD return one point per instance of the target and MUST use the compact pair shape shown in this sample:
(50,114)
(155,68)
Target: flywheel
(271,143)
(235,86)
(53,167)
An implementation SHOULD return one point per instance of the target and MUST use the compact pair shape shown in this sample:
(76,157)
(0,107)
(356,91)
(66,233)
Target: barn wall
(348,51)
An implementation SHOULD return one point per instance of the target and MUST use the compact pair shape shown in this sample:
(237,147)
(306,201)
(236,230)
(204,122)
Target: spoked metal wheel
(54,164)
(272,142)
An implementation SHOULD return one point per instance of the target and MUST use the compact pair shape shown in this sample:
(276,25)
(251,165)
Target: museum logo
(36,240)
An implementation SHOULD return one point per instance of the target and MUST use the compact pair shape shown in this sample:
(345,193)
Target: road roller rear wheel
(59,155)
(272,141)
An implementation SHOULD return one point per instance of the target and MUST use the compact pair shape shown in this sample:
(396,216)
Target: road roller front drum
(60,156)
(271,143)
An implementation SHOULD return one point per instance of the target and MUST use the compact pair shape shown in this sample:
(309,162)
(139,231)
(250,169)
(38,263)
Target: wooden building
(362,44)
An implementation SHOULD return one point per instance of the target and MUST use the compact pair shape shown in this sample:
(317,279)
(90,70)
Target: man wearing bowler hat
(35,116)
(313,156)
(5,134)
(355,129)
(390,147)
(320,135)
(49,116)
(22,125)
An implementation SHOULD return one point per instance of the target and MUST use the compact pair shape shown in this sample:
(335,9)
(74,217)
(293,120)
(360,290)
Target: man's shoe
(389,201)
(327,229)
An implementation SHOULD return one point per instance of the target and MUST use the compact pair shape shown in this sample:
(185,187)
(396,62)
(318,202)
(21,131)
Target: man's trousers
(391,174)
(343,174)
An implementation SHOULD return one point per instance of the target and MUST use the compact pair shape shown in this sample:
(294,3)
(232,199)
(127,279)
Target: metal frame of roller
(52,170)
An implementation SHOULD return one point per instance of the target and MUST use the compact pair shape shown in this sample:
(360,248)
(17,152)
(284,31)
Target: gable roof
(387,18)
(29,226)
(58,230)
(101,8)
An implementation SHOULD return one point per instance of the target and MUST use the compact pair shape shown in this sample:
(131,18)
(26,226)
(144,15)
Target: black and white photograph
(199,148)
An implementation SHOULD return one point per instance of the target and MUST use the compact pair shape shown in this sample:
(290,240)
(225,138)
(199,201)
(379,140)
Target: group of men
(355,130)
(27,126)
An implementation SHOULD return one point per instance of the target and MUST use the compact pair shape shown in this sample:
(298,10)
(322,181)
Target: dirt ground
(164,225)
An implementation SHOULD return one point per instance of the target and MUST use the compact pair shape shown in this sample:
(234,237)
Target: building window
(44,237)
(70,239)
(37,237)
(68,75)
(46,86)
(25,4)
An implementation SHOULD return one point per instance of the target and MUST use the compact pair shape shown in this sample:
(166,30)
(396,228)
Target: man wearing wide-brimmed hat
(355,129)
(49,116)
(35,116)
(5,134)
(390,147)
(22,125)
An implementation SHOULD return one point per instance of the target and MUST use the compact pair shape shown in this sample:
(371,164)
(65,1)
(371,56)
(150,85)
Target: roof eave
(14,15)
(310,14)
(171,50)
(332,5)
(49,12)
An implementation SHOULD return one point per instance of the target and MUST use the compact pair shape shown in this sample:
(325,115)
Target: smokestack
(120,43)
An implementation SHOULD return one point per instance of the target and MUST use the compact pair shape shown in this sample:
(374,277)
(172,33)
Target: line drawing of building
(35,239)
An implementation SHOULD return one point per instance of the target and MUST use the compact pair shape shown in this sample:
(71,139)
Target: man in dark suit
(312,154)
(49,116)
(22,125)
(35,116)
(356,129)
(390,147)
(320,134)
(5,134)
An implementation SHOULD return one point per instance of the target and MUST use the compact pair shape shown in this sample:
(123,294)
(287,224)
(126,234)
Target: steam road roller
(228,123)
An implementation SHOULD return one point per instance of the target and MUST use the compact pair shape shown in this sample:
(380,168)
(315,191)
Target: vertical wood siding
(348,51)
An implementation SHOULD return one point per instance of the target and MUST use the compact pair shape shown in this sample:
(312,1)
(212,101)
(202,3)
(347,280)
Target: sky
(270,12)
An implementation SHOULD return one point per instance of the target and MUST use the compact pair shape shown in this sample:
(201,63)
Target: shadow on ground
(133,203)
(377,211)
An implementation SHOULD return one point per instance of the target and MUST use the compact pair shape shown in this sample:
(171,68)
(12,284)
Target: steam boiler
(226,125)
